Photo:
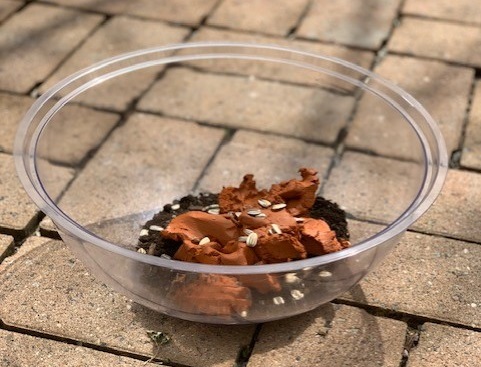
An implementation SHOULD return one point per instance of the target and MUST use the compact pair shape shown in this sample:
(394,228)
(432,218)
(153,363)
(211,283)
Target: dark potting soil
(155,245)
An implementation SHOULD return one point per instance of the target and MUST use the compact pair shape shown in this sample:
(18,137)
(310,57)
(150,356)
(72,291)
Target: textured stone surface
(330,335)
(471,153)
(12,108)
(5,243)
(270,158)
(460,10)
(456,211)
(245,102)
(278,71)
(25,350)
(439,40)
(7,7)
(47,32)
(363,24)
(428,276)
(441,345)
(442,89)
(371,187)
(250,15)
(119,35)
(146,163)
(179,11)
(16,208)
(45,288)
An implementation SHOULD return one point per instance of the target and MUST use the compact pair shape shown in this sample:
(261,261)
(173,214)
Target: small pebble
(175,207)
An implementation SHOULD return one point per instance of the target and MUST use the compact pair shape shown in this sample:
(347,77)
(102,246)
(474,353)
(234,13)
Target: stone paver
(428,276)
(456,211)
(374,188)
(44,283)
(250,15)
(119,35)
(445,346)
(471,153)
(7,7)
(439,40)
(331,335)
(178,11)
(18,210)
(245,102)
(47,32)
(460,10)
(142,166)
(280,71)
(5,244)
(362,24)
(263,155)
(12,108)
(442,89)
(25,350)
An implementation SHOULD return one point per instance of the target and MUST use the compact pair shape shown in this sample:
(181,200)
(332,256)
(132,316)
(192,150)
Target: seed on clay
(264,203)
(248,231)
(325,274)
(278,206)
(204,241)
(175,207)
(141,251)
(251,240)
(278,300)
(165,256)
(254,212)
(213,211)
(292,278)
(242,239)
(297,294)
(156,228)
(299,220)
(238,214)
(144,232)
(276,229)
(262,215)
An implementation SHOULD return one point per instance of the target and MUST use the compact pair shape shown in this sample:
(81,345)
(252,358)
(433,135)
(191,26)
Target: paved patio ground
(420,308)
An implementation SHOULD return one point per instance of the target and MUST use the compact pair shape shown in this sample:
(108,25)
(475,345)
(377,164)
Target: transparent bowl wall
(104,149)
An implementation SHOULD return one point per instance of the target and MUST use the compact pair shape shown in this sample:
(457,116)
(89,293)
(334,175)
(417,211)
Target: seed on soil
(262,215)
(144,232)
(278,300)
(175,207)
(297,294)
(213,211)
(264,203)
(156,228)
(278,206)
(242,239)
(238,214)
(248,231)
(204,241)
(299,220)
(212,206)
(325,274)
(251,240)
(254,212)
(276,229)
(141,251)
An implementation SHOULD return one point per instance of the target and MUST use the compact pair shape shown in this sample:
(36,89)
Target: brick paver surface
(137,142)
(446,346)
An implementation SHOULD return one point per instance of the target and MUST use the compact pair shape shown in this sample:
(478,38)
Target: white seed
(299,220)
(175,207)
(264,203)
(262,215)
(204,241)
(213,211)
(325,274)
(242,239)
(276,229)
(248,231)
(165,256)
(141,251)
(243,314)
(156,228)
(144,232)
(251,240)
(238,214)
(254,212)
(297,294)
(292,278)
(278,206)
(278,300)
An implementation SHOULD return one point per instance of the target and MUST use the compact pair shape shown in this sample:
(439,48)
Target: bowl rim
(426,196)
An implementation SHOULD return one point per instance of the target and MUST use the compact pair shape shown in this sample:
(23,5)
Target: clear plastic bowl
(107,147)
